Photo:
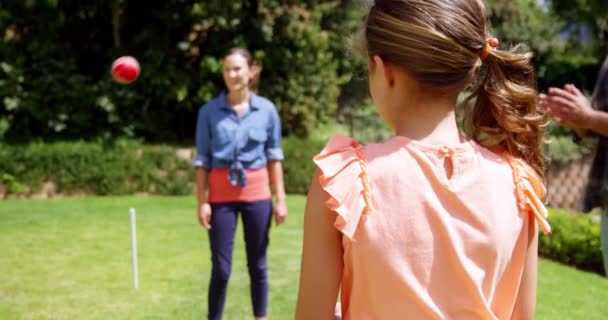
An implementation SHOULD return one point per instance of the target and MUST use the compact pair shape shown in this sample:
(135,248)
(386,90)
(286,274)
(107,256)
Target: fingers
(280,215)
(559,104)
(573,89)
(279,219)
(206,221)
(567,106)
(564,94)
(204,216)
(548,102)
(568,87)
(544,101)
(203,221)
(556,112)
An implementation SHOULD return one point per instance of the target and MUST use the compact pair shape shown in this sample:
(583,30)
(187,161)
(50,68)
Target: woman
(238,143)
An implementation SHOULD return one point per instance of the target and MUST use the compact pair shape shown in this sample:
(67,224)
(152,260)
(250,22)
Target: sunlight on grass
(70,259)
(566,293)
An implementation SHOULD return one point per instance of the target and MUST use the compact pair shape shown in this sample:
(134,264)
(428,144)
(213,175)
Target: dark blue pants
(256,217)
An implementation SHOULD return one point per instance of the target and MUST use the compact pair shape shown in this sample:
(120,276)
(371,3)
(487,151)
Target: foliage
(587,19)
(298,165)
(125,167)
(55,73)
(13,186)
(54,77)
(55,83)
(574,240)
(562,148)
(535,25)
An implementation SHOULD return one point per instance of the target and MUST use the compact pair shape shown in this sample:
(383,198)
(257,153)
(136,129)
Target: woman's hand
(280,212)
(204,215)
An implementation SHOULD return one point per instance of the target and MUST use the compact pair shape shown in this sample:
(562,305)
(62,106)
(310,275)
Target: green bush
(125,167)
(575,240)
(298,165)
(560,147)
(12,185)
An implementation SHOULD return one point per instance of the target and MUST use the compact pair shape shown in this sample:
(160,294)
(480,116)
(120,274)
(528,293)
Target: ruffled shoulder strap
(530,190)
(344,177)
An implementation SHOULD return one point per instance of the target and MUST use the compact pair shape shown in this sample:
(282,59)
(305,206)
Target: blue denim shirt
(224,140)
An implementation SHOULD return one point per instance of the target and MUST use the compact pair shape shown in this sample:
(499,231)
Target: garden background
(68,130)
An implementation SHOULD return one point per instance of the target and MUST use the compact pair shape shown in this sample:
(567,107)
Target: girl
(238,144)
(431,224)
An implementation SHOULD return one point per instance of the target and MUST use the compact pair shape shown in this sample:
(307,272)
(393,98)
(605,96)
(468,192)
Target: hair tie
(491,43)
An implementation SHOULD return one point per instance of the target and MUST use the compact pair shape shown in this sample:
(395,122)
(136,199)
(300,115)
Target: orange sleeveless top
(421,245)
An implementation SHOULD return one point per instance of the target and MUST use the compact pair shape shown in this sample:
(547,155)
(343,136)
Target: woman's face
(237,72)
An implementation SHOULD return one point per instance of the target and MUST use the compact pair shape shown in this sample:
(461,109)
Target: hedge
(298,165)
(574,240)
(123,167)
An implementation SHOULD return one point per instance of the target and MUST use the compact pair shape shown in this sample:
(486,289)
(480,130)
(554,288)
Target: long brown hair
(440,42)
(255,67)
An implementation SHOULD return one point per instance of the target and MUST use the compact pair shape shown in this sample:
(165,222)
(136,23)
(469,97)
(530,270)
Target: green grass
(70,259)
(567,293)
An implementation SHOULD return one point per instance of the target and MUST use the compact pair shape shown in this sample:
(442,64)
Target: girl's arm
(525,305)
(321,269)
(275,170)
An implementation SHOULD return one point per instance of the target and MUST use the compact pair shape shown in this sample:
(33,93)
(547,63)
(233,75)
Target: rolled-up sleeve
(273,148)
(203,140)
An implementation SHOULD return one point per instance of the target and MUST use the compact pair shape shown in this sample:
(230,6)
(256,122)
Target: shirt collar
(254,101)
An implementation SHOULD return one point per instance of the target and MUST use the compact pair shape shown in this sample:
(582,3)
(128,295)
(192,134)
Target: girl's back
(452,241)
(412,229)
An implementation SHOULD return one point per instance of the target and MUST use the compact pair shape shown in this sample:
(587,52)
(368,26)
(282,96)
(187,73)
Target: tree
(581,14)
(527,22)
(56,83)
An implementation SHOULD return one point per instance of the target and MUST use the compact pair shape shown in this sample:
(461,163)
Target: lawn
(70,259)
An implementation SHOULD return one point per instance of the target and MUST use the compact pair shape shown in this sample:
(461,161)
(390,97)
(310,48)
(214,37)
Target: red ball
(125,69)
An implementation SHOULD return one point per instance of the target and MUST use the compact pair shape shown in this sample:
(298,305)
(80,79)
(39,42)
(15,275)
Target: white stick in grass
(134,250)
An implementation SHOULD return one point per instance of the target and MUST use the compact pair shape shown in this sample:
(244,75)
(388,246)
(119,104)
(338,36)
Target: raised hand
(568,106)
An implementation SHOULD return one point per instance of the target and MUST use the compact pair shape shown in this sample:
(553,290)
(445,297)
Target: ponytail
(440,44)
(505,111)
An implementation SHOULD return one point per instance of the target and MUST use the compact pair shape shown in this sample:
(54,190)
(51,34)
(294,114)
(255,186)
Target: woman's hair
(600,93)
(256,69)
(440,43)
